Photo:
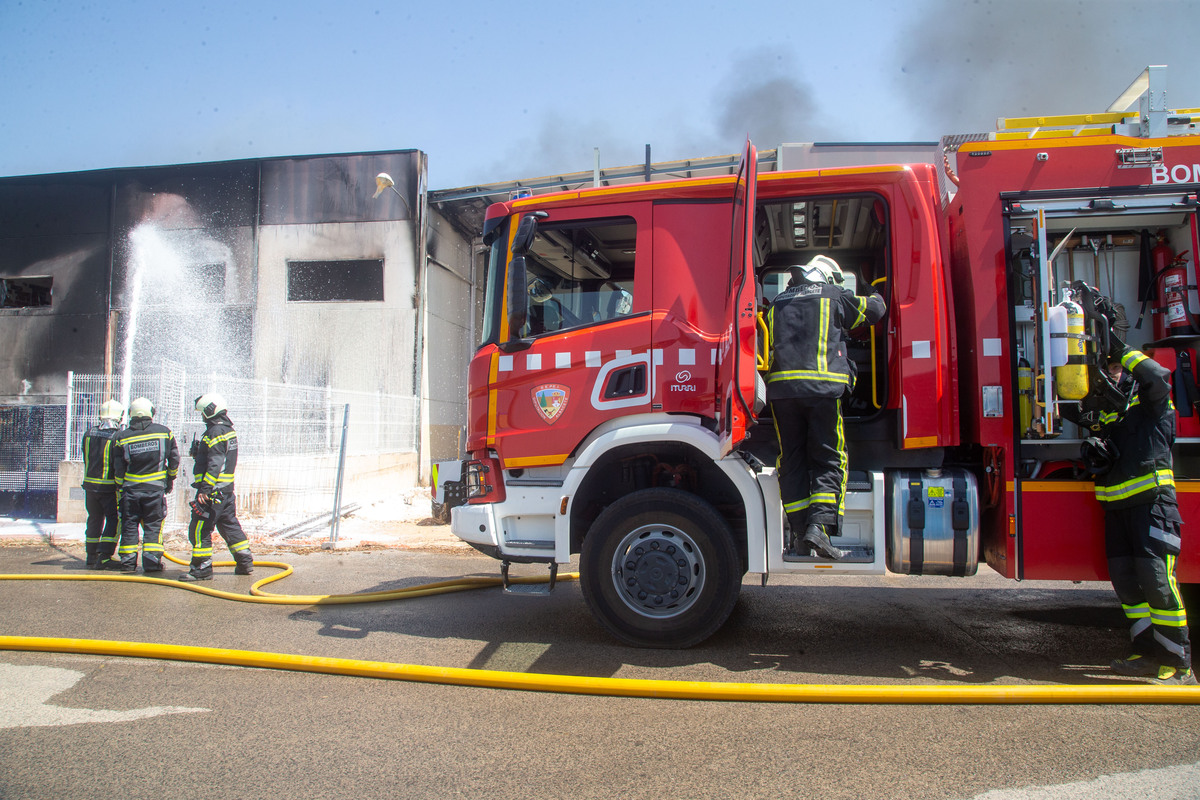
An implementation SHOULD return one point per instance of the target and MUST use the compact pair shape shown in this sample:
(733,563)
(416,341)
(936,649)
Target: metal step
(854,555)
(528,588)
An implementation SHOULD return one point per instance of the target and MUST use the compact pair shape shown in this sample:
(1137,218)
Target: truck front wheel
(659,568)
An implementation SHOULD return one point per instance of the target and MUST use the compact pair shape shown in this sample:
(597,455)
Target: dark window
(25,292)
(335,281)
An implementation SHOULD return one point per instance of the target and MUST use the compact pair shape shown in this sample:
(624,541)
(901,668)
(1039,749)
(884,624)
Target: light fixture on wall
(384,181)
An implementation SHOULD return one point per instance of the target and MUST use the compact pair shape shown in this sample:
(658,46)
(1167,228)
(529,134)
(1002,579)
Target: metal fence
(289,438)
(31,442)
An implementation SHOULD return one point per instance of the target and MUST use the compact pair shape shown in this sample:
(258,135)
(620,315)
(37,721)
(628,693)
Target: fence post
(70,406)
(337,491)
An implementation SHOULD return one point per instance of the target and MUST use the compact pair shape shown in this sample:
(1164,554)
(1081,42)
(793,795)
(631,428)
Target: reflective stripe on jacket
(145,458)
(216,456)
(807,324)
(97,457)
(1142,434)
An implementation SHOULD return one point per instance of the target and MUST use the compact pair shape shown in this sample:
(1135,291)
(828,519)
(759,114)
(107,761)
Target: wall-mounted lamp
(384,181)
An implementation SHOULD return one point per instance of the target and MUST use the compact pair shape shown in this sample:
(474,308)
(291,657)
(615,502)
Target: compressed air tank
(1070,369)
(1025,390)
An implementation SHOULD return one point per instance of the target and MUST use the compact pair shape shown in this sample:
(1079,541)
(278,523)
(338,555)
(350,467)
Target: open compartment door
(736,371)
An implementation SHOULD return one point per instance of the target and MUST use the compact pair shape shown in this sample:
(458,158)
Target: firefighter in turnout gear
(100,486)
(1130,456)
(215,456)
(809,373)
(145,463)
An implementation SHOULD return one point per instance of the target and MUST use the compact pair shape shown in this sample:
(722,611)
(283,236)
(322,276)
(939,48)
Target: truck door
(736,372)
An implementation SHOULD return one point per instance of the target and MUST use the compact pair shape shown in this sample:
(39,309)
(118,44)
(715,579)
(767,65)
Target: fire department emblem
(550,399)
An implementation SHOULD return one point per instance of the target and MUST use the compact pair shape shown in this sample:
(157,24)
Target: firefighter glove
(1098,455)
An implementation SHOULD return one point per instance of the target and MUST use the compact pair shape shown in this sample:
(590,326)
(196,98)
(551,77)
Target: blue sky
(496,91)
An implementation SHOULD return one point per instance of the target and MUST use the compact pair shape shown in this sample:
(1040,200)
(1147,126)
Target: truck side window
(580,273)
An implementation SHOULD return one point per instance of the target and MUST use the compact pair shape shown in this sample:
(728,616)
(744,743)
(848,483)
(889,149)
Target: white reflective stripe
(1169,539)
(1139,626)
(1173,647)
(539,362)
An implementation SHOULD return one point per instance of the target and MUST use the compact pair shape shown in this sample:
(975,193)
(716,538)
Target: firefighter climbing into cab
(808,375)
(1129,458)
(215,455)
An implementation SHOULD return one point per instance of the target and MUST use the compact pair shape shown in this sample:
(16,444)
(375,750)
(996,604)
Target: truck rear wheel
(659,568)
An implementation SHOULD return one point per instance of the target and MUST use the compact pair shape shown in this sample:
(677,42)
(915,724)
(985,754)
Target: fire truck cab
(617,405)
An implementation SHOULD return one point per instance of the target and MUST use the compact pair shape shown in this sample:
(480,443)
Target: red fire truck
(616,404)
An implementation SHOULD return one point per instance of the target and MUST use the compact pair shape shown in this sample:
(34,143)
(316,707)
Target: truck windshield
(493,299)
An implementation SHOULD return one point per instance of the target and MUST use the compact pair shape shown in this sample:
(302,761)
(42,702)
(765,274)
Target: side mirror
(526,231)
(518,293)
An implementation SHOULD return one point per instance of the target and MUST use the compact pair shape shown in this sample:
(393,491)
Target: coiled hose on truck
(563,684)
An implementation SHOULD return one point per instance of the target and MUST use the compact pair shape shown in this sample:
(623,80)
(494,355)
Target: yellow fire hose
(257,595)
(564,684)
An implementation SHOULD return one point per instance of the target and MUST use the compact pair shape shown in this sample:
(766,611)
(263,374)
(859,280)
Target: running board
(538,588)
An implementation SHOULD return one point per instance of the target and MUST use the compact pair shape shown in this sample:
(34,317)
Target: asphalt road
(84,726)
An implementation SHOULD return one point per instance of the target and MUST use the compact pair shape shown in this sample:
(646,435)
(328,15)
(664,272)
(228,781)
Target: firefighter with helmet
(100,485)
(145,463)
(1129,457)
(809,372)
(215,455)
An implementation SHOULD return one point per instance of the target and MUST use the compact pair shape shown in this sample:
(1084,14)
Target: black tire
(658,568)
(440,512)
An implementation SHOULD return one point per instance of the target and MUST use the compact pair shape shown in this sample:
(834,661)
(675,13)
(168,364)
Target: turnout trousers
(103,524)
(147,512)
(812,461)
(223,517)
(1142,543)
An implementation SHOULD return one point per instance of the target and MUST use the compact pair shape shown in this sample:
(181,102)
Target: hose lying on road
(620,687)
(257,595)
(565,684)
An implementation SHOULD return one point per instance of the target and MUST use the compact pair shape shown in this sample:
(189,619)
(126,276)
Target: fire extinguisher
(1171,316)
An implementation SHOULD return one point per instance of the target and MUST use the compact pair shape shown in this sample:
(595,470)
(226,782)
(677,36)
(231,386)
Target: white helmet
(211,404)
(142,407)
(112,410)
(823,269)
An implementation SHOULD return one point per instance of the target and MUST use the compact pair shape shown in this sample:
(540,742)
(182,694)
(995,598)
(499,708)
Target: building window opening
(25,292)
(359,280)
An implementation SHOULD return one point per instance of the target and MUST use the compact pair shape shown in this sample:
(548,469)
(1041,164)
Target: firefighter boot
(1175,676)
(119,565)
(245,564)
(816,538)
(198,571)
(1136,666)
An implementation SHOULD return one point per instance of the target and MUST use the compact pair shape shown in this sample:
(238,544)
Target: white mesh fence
(289,441)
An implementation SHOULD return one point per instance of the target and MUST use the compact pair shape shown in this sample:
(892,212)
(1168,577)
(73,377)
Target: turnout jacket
(145,458)
(1142,434)
(807,324)
(98,474)
(216,454)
